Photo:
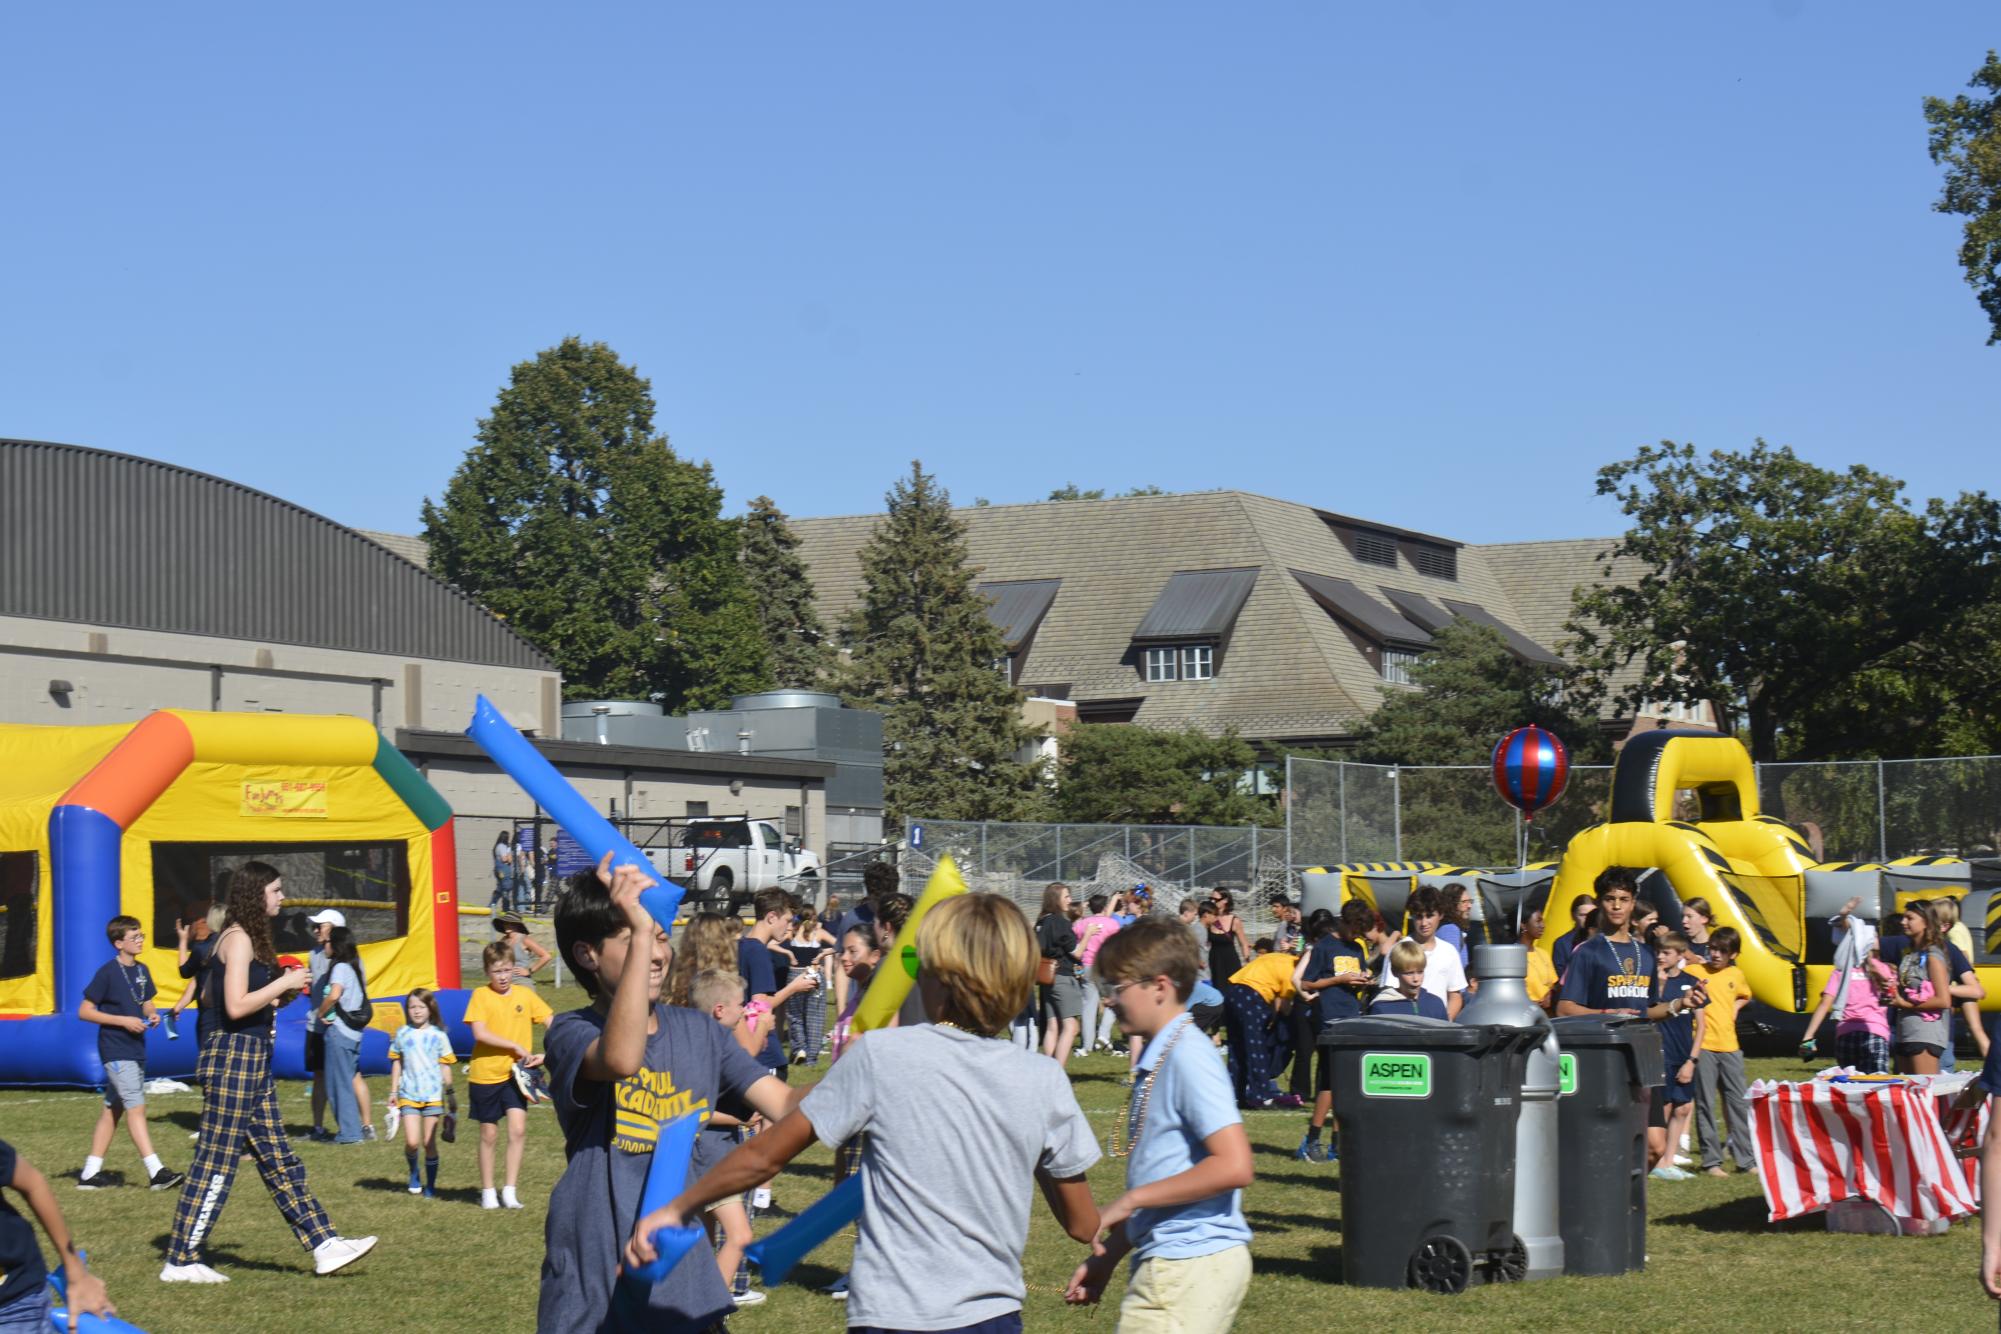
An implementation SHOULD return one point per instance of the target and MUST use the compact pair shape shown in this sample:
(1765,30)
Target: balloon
(1530,769)
(777,1253)
(538,778)
(890,985)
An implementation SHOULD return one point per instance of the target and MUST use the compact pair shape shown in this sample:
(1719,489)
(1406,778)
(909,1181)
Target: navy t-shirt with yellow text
(22,1272)
(1605,974)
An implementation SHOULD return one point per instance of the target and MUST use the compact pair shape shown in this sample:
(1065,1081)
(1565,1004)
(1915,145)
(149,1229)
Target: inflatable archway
(147,819)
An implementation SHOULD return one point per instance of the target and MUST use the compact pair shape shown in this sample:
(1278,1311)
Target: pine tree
(783,594)
(926,654)
(572,521)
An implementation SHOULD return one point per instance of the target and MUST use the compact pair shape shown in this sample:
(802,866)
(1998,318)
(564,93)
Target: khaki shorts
(1194,1296)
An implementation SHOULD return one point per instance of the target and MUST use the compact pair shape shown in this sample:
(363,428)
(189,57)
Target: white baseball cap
(328,917)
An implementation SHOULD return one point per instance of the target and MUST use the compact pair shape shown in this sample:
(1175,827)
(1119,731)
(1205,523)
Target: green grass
(446,1265)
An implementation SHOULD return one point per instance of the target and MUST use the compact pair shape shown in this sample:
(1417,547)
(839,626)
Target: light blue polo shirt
(1191,1101)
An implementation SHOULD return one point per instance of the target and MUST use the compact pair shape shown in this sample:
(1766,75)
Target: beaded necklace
(1122,1144)
(961,1028)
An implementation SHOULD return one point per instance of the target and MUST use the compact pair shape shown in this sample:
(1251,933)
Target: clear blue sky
(1427,263)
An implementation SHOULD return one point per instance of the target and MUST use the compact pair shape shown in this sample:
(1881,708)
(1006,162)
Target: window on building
(795,823)
(368,882)
(698,810)
(1375,548)
(1397,664)
(1181,662)
(1163,664)
(20,880)
(1198,662)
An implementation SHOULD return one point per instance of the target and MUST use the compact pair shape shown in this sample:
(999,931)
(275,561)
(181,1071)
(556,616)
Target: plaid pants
(239,1115)
(806,1024)
(1867,1052)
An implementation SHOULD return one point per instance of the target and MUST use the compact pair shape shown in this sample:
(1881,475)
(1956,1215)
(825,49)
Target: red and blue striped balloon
(1530,769)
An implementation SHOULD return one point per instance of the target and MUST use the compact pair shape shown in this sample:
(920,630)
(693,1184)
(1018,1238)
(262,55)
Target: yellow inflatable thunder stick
(891,984)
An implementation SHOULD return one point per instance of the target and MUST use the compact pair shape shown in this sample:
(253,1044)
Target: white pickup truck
(725,863)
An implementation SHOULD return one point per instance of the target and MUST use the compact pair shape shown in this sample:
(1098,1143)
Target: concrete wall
(180,673)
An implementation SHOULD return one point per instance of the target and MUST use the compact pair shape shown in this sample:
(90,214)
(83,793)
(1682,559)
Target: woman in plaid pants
(239,1111)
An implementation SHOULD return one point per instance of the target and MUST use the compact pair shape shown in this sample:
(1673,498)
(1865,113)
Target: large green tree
(573,521)
(1790,594)
(1965,138)
(924,653)
(782,591)
(1118,773)
(1469,691)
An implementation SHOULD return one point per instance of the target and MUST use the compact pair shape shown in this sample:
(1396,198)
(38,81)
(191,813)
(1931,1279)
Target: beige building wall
(198,672)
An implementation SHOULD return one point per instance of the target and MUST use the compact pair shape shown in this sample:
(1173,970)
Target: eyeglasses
(1118,987)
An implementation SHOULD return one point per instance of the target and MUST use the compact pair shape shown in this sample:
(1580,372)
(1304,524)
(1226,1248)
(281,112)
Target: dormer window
(1181,662)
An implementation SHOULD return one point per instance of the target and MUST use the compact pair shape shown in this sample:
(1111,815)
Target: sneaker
(320,1135)
(392,1118)
(751,1298)
(1683,1160)
(194,1273)
(838,1289)
(489,1199)
(509,1200)
(1669,1172)
(166,1179)
(368,1131)
(340,1252)
(1288,1100)
(430,1192)
(416,1182)
(1309,1151)
(100,1180)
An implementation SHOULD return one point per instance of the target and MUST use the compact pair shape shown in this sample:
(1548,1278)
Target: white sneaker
(339,1252)
(1683,1160)
(509,1200)
(750,1298)
(489,1199)
(194,1273)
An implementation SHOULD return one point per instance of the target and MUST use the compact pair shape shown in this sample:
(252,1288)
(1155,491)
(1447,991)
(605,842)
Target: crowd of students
(696,1024)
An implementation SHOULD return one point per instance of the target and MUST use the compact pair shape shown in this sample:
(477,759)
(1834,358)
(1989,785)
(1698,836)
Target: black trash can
(1427,1112)
(1611,1067)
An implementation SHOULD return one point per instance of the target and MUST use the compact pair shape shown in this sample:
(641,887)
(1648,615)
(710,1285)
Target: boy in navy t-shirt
(1337,972)
(24,1277)
(1407,961)
(1681,1039)
(119,1000)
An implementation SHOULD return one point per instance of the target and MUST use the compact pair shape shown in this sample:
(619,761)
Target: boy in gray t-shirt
(960,1127)
(618,1070)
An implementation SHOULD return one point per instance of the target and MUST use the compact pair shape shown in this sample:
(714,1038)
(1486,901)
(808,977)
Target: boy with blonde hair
(719,995)
(1181,1216)
(502,1017)
(958,1125)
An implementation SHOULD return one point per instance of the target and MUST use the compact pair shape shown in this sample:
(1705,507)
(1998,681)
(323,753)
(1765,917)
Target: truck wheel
(720,886)
(1442,1264)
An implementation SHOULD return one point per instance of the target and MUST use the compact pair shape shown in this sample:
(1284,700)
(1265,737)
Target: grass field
(446,1265)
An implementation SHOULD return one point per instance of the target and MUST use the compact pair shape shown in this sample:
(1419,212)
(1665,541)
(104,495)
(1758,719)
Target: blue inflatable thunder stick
(666,1176)
(777,1253)
(538,778)
(86,1323)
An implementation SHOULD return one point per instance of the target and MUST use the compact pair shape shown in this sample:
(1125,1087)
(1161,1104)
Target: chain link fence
(1850,810)
(1172,861)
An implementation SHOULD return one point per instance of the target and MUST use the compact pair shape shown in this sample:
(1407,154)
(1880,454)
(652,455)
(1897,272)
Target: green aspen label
(1389,1074)
(1566,1075)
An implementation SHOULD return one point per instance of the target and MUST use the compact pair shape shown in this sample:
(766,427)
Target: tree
(1471,690)
(1965,139)
(1070,491)
(572,521)
(925,653)
(1119,773)
(783,595)
(1776,588)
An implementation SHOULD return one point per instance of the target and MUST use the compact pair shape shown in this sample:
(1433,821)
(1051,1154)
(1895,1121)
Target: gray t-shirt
(317,967)
(1201,934)
(957,1126)
(352,996)
(608,1137)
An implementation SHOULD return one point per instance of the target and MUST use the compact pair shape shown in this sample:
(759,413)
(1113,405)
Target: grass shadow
(223,1258)
(1746,1213)
(1321,1263)
(1285,1222)
(189,1121)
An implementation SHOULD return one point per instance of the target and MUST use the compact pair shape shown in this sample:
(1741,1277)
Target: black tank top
(261,975)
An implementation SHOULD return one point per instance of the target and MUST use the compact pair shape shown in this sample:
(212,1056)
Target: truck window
(770,836)
(731,835)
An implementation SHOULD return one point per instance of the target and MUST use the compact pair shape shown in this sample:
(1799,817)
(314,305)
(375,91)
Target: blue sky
(1431,264)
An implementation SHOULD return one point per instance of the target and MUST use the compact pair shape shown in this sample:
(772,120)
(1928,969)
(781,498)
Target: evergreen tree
(572,521)
(1120,773)
(783,594)
(926,655)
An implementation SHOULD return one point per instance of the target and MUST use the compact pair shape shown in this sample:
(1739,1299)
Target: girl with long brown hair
(239,1111)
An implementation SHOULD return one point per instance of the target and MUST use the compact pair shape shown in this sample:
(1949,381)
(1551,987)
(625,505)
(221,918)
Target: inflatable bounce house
(1387,886)
(1753,869)
(149,820)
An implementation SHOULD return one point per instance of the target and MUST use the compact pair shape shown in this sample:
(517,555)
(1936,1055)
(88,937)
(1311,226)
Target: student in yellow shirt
(502,1017)
(1542,979)
(1251,1002)
(1721,1060)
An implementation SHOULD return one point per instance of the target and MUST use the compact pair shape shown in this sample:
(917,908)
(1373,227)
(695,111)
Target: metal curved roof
(112,539)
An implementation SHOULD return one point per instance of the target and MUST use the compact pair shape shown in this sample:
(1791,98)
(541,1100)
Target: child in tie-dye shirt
(418,1060)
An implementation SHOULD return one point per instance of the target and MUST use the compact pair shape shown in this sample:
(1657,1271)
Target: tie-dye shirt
(425,1052)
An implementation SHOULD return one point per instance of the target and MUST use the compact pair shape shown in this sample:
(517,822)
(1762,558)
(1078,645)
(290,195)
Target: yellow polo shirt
(512,1016)
(1270,975)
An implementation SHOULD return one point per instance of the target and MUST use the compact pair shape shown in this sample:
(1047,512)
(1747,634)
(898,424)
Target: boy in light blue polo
(1181,1215)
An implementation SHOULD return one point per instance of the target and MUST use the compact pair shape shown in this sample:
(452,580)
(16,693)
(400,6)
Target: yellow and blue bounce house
(150,819)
